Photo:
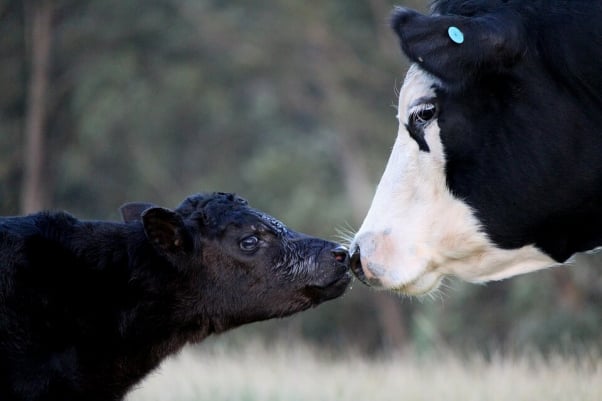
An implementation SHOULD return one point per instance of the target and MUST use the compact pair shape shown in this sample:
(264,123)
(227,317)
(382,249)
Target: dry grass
(259,372)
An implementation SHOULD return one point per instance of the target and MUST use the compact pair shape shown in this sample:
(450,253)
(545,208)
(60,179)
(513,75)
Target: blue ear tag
(455,35)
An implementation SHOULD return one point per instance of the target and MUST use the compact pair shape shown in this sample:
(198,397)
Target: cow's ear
(166,231)
(453,47)
(132,211)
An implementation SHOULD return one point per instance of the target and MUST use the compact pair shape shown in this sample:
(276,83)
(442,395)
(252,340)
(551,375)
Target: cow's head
(496,169)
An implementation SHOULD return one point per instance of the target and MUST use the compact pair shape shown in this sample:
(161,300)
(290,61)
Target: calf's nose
(340,253)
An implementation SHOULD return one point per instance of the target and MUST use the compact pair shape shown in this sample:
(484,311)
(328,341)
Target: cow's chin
(421,285)
(411,274)
(424,284)
(406,280)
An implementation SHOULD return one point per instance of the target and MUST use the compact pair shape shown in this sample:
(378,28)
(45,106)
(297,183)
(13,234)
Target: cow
(496,170)
(88,308)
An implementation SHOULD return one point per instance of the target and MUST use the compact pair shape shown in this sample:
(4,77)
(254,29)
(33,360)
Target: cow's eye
(422,113)
(249,244)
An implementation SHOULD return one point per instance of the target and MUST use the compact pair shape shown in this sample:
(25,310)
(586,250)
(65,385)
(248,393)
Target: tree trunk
(38,36)
(352,163)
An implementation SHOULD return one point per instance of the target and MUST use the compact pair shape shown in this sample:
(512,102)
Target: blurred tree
(288,103)
(350,154)
(38,21)
(12,101)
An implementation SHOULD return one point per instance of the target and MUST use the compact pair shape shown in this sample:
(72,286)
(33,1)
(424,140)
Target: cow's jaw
(416,232)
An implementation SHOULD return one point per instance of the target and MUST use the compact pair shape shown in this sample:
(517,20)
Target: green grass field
(299,373)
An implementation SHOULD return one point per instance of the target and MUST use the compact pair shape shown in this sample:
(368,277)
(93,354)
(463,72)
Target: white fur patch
(416,231)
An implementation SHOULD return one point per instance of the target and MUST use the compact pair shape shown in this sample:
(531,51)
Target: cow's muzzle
(356,266)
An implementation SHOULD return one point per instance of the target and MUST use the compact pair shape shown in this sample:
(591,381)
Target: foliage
(289,104)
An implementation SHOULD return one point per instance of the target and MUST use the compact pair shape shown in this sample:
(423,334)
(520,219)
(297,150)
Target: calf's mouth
(336,278)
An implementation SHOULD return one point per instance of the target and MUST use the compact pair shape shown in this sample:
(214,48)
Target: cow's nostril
(340,253)
(356,266)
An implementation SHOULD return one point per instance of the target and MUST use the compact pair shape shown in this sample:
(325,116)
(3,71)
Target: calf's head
(241,264)
(496,168)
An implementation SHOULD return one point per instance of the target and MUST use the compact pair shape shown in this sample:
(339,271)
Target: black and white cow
(497,166)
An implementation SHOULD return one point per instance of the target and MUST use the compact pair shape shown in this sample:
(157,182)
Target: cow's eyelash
(422,113)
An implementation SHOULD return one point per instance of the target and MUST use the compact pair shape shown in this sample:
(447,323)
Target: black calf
(88,308)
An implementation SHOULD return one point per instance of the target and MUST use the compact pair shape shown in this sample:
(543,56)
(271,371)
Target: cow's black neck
(564,238)
(527,160)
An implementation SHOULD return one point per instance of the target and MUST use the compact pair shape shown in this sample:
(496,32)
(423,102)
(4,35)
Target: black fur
(88,308)
(520,112)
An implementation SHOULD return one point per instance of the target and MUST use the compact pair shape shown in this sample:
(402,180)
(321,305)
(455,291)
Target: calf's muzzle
(340,253)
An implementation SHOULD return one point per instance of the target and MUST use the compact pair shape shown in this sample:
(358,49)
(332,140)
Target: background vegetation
(287,103)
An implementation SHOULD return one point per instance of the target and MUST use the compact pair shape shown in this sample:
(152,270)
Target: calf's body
(88,308)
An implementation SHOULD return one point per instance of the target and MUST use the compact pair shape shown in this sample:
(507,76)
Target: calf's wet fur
(88,308)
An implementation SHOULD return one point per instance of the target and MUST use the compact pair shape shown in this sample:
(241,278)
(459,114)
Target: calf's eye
(249,243)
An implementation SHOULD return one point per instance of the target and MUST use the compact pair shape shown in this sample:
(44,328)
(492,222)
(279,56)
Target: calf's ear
(454,47)
(132,211)
(166,231)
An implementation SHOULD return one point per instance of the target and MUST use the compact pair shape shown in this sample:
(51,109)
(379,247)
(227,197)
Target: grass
(299,372)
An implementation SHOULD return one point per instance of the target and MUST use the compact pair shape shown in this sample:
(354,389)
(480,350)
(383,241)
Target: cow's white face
(416,232)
